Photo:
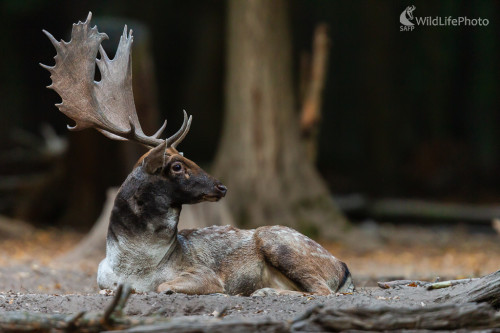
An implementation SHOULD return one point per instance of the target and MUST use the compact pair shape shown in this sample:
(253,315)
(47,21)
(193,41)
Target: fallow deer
(144,248)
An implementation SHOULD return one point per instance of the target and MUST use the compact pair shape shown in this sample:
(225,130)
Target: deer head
(178,178)
(108,106)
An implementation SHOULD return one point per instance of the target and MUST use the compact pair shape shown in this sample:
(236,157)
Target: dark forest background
(405,114)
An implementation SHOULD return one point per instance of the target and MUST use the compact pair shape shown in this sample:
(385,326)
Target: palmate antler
(107,105)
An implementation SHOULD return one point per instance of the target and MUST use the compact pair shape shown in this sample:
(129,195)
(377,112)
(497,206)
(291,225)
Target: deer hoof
(265,292)
(165,288)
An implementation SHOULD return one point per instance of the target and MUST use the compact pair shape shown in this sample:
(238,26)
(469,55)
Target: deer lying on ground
(144,248)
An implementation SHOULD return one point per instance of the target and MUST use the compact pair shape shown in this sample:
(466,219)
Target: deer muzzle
(219,191)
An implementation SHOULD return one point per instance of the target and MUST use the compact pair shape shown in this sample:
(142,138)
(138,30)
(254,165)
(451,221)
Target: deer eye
(176,167)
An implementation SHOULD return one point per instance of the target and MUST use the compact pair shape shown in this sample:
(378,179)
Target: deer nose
(221,188)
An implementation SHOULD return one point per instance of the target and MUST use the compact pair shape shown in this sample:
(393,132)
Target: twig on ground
(122,301)
(220,313)
(429,285)
(71,321)
(398,283)
(111,307)
(446,284)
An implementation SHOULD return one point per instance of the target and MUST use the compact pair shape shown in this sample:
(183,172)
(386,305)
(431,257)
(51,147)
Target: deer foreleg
(193,283)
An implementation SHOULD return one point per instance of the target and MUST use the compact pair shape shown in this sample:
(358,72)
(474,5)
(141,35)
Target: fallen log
(485,289)
(14,228)
(191,325)
(397,209)
(442,317)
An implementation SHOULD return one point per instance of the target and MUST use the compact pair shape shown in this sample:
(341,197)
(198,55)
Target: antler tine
(160,131)
(175,136)
(52,39)
(89,17)
(184,133)
(107,105)
(145,140)
(104,55)
(132,135)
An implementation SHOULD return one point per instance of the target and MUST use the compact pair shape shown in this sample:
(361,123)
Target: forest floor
(32,279)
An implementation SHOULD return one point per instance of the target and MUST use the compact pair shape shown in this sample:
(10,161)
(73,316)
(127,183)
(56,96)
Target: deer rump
(143,247)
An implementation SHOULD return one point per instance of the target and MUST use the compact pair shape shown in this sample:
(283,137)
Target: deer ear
(155,160)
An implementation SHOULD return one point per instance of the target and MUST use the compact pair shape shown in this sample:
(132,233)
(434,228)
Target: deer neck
(142,232)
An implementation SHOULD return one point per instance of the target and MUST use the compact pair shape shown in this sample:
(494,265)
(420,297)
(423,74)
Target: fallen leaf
(107,292)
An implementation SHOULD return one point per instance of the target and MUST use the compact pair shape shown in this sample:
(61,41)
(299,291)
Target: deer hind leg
(304,262)
(193,283)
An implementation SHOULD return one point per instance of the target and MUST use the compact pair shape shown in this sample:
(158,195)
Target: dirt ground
(32,279)
(176,305)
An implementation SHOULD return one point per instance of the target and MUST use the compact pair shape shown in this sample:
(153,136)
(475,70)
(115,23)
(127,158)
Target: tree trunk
(93,245)
(261,158)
